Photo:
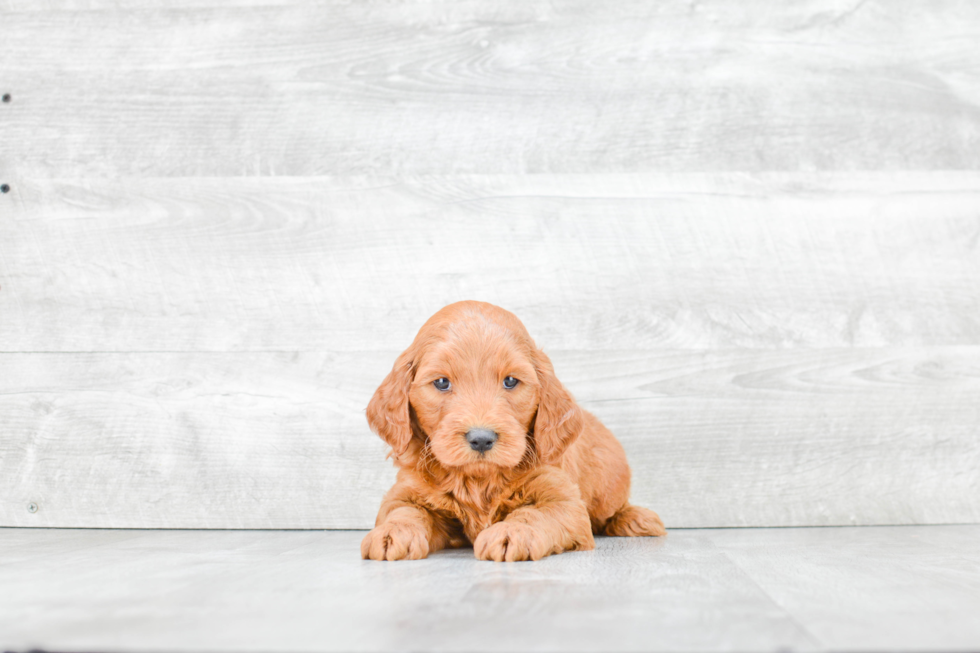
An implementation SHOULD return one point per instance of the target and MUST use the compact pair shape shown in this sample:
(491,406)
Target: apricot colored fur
(555,476)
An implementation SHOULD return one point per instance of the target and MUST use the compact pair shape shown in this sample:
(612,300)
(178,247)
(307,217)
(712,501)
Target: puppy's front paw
(511,541)
(395,541)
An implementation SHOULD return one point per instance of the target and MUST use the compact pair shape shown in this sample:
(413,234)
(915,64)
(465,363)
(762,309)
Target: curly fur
(554,477)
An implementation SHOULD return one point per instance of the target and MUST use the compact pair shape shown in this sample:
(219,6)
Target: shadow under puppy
(492,450)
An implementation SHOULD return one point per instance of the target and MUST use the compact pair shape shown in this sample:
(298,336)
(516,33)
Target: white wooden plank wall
(749,234)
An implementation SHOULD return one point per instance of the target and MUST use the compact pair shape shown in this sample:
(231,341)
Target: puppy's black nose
(481,439)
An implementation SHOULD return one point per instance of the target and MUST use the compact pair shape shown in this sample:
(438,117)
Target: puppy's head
(474,389)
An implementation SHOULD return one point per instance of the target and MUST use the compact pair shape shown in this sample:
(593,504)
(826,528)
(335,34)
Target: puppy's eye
(510,382)
(441,384)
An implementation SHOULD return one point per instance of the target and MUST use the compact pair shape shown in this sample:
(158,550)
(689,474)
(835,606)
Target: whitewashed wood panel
(588,262)
(774,346)
(279,440)
(521,86)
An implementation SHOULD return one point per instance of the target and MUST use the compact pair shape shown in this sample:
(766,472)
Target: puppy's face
(468,390)
(474,394)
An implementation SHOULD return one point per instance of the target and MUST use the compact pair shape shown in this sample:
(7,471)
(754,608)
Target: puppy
(492,450)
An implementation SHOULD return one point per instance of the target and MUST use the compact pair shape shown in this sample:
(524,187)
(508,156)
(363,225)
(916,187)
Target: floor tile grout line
(820,643)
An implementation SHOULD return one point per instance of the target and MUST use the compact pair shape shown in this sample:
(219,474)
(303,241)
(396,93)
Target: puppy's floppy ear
(387,412)
(559,419)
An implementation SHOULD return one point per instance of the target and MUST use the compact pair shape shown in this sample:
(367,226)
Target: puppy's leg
(545,516)
(405,529)
(634,521)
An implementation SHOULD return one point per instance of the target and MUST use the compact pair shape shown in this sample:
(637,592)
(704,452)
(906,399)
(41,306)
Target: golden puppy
(491,449)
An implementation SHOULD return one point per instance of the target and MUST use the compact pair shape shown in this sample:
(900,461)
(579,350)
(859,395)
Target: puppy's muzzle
(481,439)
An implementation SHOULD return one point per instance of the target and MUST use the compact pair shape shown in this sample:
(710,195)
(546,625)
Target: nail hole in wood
(6,97)
(4,188)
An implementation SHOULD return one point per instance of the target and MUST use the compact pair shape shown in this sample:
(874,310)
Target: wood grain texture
(500,87)
(278,440)
(588,262)
(750,232)
(856,589)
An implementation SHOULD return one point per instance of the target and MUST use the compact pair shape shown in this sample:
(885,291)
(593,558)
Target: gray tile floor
(868,588)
